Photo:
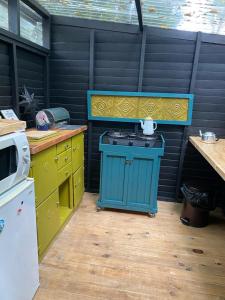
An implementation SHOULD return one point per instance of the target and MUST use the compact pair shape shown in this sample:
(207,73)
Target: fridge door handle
(2,225)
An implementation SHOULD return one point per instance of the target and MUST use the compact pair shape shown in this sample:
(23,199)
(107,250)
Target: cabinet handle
(66,158)
(45,165)
(57,204)
(56,158)
(128,162)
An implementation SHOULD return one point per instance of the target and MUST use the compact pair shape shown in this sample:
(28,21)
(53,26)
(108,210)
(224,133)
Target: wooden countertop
(213,153)
(62,135)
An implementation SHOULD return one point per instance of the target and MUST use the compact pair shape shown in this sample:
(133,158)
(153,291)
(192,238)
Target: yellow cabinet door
(78,186)
(63,159)
(63,146)
(77,151)
(44,171)
(48,221)
(64,173)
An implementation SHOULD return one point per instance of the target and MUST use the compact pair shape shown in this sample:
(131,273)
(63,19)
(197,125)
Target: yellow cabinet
(48,220)
(58,172)
(77,151)
(44,172)
(78,186)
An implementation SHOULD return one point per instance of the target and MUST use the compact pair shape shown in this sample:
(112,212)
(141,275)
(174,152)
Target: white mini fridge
(19,276)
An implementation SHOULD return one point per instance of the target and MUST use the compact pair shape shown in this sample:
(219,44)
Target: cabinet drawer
(64,173)
(77,151)
(78,186)
(44,172)
(65,145)
(63,158)
(48,221)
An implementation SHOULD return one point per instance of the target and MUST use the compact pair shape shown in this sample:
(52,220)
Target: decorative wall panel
(130,107)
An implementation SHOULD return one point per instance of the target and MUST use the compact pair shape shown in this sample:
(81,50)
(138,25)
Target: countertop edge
(36,147)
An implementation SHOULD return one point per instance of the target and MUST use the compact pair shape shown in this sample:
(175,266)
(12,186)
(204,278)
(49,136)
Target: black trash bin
(198,201)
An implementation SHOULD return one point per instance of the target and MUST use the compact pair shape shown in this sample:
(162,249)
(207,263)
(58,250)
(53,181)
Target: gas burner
(117,134)
(147,137)
(132,135)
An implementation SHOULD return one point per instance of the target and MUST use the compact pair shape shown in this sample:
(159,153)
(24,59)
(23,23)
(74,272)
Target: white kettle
(148,126)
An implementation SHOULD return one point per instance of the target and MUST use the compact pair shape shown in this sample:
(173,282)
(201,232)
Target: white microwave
(14,160)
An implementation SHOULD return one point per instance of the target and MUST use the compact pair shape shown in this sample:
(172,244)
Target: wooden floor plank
(117,255)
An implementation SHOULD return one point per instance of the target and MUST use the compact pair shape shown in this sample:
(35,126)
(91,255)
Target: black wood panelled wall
(5,82)
(209,108)
(105,56)
(19,67)
(31,74)
(108,56)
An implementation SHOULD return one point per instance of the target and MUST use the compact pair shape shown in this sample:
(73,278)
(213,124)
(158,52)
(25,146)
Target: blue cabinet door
(113,175)
(139,182)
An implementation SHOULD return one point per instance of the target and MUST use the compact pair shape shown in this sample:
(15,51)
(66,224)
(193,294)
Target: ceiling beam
(139,13)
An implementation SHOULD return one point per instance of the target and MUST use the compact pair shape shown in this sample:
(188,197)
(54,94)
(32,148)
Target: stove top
(132,139)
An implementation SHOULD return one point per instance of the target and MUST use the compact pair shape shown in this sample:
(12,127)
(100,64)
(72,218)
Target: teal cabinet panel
(113,171)
(138,188)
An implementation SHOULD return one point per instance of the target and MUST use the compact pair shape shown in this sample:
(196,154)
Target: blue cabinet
(129,177)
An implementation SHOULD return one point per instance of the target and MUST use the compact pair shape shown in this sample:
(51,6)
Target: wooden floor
(115,255)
